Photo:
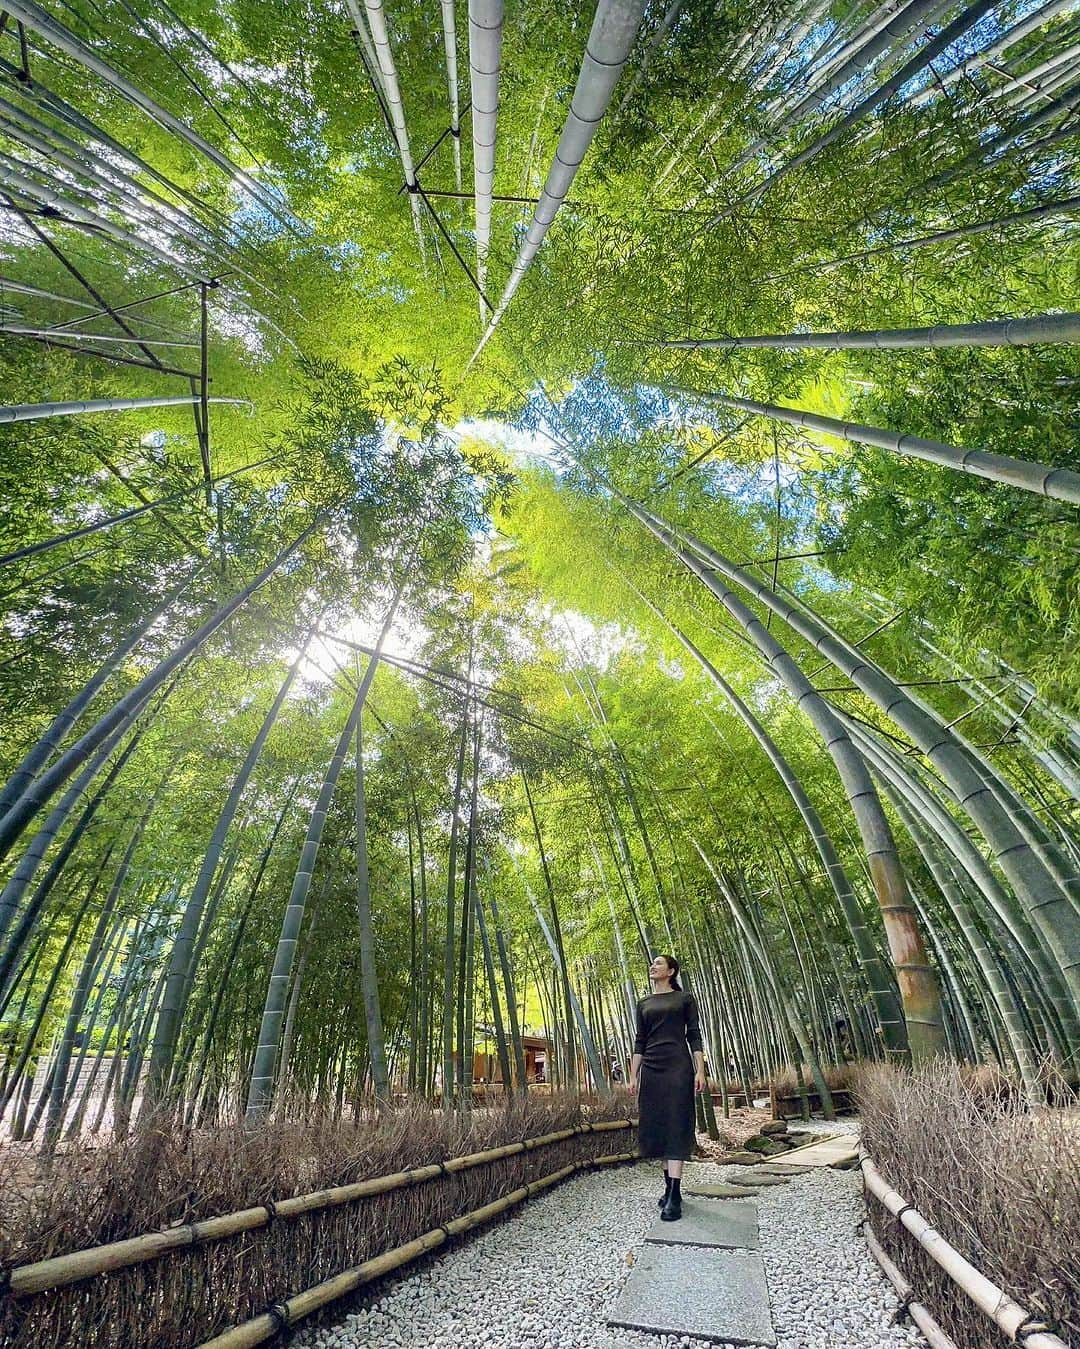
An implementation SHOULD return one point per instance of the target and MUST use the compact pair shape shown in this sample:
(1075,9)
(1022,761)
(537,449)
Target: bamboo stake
(1006,1314)
(283,1314)
(60,1270)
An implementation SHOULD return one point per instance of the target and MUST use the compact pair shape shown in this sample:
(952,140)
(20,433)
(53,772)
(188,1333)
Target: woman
(667,1021)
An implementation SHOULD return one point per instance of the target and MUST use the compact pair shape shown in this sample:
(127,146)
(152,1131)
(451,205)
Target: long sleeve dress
(667,1030)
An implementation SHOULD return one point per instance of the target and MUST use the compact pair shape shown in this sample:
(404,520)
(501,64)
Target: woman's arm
(635,1064)
(693,1039)
(639,1051)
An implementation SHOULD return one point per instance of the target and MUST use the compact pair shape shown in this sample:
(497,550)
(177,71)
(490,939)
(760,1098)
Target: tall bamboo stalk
(1026,332)
(918,988)
(177,979)
(1061,484)
(261,1086)
(611,40)
(369,975)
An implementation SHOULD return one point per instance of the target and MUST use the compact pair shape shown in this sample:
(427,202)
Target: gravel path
(545,1278)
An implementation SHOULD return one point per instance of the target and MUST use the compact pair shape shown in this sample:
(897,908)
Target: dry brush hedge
(151,1182)
(999,1181)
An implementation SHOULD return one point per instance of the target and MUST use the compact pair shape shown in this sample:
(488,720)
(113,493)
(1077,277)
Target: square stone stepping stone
(715,1294)
(733,1226)
(709,1191)
(758,1177)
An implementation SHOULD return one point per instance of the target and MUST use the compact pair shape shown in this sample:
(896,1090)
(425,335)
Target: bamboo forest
(512,512)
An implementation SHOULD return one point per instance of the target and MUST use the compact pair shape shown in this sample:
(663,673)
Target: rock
(760,1144)
(752,1179)
(775,1126)
(720,1190)
(740,1157)
(844,1164)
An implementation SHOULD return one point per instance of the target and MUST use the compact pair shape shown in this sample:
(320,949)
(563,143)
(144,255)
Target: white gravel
(545,1278)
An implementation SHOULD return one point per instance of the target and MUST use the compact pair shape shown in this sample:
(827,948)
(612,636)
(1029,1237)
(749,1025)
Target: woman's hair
(673,966)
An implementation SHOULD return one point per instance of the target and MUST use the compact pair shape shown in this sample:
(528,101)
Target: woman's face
(659,969)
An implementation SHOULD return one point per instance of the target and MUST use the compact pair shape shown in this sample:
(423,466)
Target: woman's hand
(633,1084)
(700,1083)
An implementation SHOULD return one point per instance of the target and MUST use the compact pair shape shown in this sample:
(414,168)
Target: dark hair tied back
(673,966)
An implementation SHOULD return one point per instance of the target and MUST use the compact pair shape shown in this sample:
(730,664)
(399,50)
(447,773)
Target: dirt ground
(743,1123)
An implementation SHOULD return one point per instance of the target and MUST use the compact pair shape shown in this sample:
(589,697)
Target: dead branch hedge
(999,1181)
(838,1077)
(166,1176)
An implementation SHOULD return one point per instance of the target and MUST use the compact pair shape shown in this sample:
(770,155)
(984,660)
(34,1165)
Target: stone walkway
(704,1277)
(701,1276)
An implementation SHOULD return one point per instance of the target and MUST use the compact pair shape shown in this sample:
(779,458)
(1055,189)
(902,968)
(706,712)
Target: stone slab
(787,1170)
(836,1149)
(714,1294)
(708,1191)
(758,1177)
(732,1226)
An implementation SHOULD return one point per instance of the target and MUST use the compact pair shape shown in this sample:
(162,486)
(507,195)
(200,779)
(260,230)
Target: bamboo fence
(284,1314)
(222,1270)
(1018,1325)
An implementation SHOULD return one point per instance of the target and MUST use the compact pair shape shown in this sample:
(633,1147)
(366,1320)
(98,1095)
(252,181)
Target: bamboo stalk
(611,40)
(1021,332)
(1043,479)
(302,1304)
(28,412)
(932,1332)
(60,1270)
(993,1301)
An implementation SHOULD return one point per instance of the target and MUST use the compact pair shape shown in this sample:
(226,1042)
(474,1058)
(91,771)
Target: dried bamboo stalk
(60,1270)
(932,1332)
(1003,1310)
(295,1308)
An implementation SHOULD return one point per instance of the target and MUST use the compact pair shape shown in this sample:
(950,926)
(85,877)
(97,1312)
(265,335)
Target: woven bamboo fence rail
(183,1285)
(1018,1325)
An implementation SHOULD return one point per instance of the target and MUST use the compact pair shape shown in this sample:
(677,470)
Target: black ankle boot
(667,1190)
(672,1209)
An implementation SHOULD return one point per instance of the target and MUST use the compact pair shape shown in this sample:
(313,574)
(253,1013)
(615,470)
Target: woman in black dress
(667,1032)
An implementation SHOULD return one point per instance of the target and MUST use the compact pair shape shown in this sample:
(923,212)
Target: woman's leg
(673,1202)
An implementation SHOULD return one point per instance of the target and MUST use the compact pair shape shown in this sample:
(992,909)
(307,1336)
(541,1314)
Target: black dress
(666,1024)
